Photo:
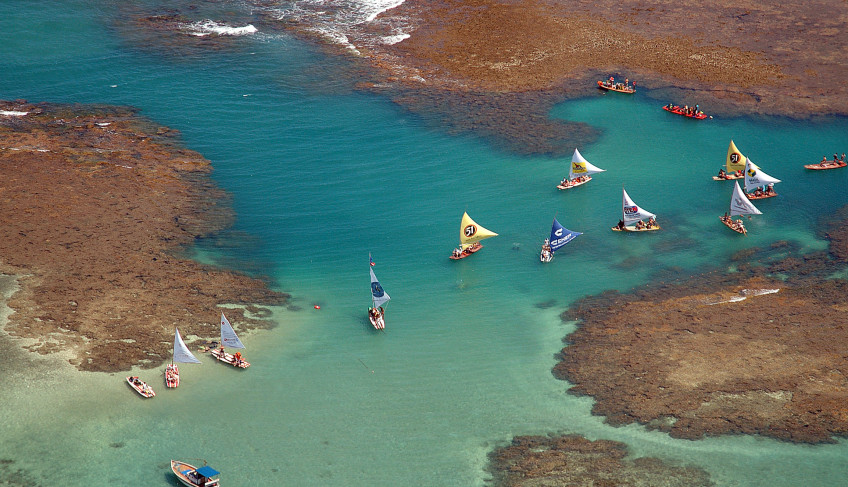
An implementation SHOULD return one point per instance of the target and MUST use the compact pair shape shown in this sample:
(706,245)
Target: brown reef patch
(694,358)
(96,205)
(731,59)
(572,460)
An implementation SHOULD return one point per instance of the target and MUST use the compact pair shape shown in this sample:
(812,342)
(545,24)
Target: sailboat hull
(172,376)
(728,177)
(762,196)
(728,222)
(632,228)
(229,358)
(378,322)
(573,184)
(465,253)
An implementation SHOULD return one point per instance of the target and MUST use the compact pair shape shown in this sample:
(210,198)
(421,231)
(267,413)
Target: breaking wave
(210,27)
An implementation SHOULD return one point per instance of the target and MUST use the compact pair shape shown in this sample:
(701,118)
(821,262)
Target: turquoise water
(321,175)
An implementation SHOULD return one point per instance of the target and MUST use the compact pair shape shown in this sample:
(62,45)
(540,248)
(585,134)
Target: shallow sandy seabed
(98,204)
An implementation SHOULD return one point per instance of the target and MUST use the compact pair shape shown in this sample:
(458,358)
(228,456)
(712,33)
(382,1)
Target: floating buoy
(317,307)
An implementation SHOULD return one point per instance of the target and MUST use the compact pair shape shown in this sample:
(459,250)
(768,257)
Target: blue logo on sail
(377,290)
(561,236)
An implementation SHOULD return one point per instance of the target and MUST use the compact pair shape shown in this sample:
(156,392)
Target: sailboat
(229,339)
(559,237)
(755,178)
(470,235)
(734,164)
(739,205)
(580,172)
(376,313)
(181,354)
(632,213)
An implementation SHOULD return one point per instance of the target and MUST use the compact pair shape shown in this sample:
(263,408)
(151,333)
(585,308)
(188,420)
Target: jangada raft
(470,234)
(180,354)
(758,185)
(739,205)
(229,339)
(140,387)
(631,213)
(188,475)
(559,237)
(580,172)
(734,164)
(376,313)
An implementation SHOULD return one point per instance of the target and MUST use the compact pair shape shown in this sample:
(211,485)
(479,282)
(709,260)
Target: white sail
(755,177)
(228,335)
(631,211)
(181,352)
(740,204)
(581,167)
(378,295)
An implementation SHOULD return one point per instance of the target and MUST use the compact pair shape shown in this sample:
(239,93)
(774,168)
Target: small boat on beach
(180,354)
(188,475)
(734,165)
(758,185)
(229,339)
(611,85)
(579,173)
(140,387)
(739,205)
(632,213)
(685,111)
(376,313)
(470,234)
(559,237)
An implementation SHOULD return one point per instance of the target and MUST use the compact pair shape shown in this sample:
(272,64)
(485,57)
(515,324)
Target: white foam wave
(210,27)
(351,23)
(12,113)
(394,39)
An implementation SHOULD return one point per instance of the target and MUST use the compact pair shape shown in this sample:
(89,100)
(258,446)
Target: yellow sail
(470,232)
(735,159)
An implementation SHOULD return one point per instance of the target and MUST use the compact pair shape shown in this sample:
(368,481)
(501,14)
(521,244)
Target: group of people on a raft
(620,86)
(836,161)
(685,109)
(640,225)
(570,182)
(736,225)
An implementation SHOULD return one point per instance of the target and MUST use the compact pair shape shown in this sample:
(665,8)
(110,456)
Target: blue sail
(561,236)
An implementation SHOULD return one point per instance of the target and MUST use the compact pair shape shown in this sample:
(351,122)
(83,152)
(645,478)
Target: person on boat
(457,252)
(652,222)
(640,225)
(739,225)
(843,157)
(721,173)
(770,188)
(620,224)
(824,161)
